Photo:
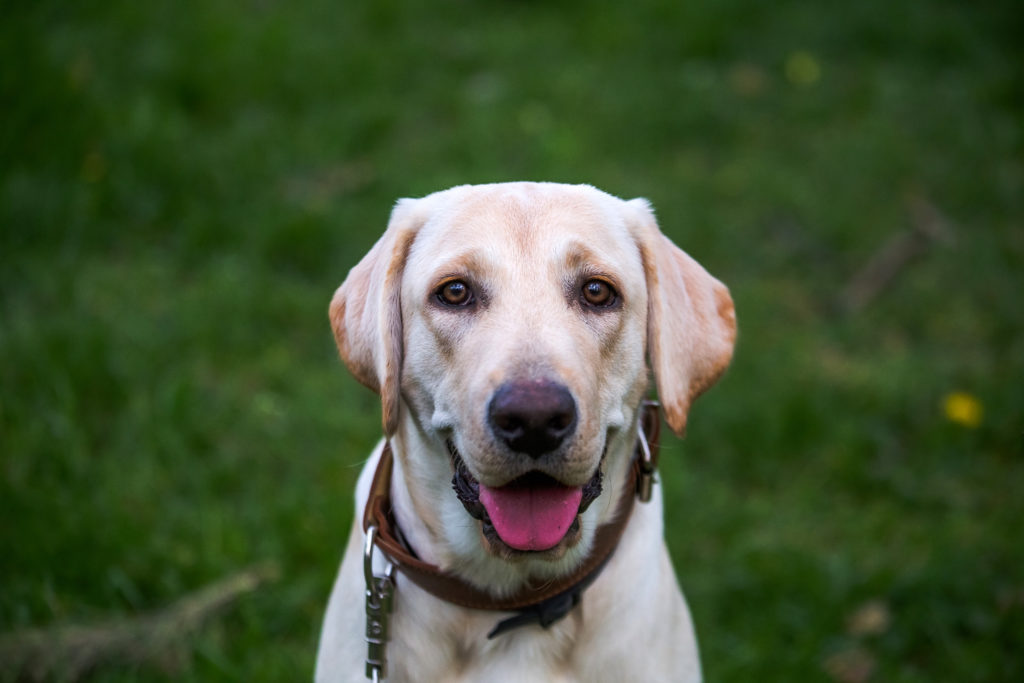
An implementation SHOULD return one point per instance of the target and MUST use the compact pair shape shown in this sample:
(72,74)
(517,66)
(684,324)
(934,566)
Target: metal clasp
(380,591)
(647,462)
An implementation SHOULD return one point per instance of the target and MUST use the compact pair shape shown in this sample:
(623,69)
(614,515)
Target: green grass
(182,185)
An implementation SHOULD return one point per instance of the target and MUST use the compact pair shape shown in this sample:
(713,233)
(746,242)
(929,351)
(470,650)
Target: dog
(508,329)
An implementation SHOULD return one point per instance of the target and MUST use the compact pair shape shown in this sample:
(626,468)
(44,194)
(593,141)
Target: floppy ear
(691,322)
(366,312)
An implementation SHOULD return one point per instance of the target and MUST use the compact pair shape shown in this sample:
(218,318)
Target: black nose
(532,417)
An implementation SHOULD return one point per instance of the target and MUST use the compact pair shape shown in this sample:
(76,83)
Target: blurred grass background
(183,185)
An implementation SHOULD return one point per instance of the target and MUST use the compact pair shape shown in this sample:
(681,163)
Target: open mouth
(532,513)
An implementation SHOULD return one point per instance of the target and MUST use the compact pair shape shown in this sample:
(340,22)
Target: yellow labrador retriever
(507,329)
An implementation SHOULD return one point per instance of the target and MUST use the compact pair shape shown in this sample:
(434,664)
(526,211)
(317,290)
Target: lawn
(183,185)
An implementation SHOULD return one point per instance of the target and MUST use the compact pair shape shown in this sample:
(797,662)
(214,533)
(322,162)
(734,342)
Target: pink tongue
(531,518)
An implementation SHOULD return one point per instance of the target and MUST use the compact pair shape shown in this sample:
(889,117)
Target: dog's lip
(520,479)
(467,488)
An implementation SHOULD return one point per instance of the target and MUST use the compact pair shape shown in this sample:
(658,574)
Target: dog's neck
(414,512)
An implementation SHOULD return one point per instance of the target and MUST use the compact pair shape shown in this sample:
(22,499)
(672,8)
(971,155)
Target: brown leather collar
(451,588)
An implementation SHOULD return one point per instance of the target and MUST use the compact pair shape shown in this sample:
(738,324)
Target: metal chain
(380,591)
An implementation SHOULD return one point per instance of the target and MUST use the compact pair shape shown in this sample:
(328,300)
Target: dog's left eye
(599,294)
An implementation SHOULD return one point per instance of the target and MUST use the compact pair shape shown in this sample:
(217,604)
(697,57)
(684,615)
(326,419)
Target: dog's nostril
(532,417)
(508,424)
(559,422)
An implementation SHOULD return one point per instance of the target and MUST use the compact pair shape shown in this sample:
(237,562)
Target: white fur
(528,246)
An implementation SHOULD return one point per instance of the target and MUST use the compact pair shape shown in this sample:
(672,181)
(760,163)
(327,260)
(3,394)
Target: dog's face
(524,318)
(507,329)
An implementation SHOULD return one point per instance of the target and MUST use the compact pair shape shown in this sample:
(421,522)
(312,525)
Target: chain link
(380,592)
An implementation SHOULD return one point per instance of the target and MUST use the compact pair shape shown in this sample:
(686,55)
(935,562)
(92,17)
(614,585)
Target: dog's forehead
(518,221)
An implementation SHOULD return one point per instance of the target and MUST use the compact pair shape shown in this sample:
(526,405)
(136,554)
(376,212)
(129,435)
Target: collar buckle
(647,450)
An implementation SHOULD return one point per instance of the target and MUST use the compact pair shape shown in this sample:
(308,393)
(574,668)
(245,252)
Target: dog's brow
(466,263)
(579,257)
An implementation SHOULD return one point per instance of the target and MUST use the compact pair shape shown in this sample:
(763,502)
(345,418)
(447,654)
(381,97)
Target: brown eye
(598,293)
(455,293)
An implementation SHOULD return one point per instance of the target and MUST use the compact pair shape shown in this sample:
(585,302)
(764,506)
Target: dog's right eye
(454,293)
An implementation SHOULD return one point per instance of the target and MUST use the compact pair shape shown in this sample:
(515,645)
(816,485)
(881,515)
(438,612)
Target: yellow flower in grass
(963,408)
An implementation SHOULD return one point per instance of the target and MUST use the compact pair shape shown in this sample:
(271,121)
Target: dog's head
(507,329)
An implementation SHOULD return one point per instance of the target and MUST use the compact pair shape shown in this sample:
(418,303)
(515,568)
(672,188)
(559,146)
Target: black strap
(553,609)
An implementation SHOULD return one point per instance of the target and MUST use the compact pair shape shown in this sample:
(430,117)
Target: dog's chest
(450,645)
